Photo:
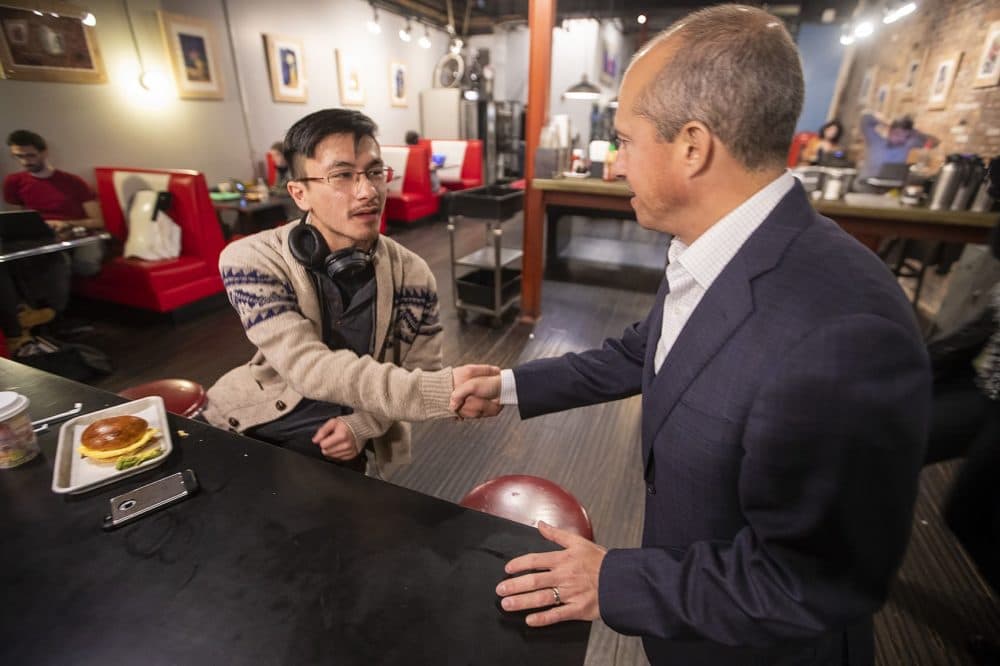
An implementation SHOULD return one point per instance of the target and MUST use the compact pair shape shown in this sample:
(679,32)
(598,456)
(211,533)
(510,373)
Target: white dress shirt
(692,270)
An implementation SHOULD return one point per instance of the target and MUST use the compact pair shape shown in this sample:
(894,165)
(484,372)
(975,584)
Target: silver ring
(555,595)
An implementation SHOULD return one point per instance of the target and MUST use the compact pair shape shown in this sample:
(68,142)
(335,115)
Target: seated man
(333,309)
(63,199)
(888,143)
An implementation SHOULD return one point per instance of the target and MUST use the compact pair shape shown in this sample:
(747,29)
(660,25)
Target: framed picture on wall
(609,64)
(44,46)
(286,65)
(867,85)
(942,80)
(910,76)
(352,87)
(397,84)
(190,42)
(882,94)
(988,67)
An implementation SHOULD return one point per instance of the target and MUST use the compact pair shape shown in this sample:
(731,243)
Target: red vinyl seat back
(472,166)
(191,209)
(528,499)
(272,169)
(799,142)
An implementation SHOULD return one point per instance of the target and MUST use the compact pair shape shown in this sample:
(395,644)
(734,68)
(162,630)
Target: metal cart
(492,285)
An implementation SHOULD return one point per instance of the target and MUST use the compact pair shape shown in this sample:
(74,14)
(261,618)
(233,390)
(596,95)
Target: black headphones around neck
(309,248)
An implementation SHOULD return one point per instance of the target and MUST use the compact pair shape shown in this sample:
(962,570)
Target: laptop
(890,174)
(24,225)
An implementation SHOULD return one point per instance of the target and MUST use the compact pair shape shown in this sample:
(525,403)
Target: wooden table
(585,196)
(279,559)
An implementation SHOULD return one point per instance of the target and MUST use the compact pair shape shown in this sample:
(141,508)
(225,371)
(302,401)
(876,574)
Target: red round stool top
(180,396)
(528,499)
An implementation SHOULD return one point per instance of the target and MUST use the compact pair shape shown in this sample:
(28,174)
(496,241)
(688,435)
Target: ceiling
(477,17)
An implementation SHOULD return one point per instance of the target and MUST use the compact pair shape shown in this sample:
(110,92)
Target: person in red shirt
(63,199)
(34,289)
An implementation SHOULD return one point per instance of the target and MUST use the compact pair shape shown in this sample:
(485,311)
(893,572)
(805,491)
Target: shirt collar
(706,258)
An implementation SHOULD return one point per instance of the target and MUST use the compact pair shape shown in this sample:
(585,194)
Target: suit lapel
(722,310)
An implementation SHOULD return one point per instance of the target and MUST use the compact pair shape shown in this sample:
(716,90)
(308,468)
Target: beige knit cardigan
(278,306)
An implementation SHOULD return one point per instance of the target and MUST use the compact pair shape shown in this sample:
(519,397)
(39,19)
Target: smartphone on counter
(150,497)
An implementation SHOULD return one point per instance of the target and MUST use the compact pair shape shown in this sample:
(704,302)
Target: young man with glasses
(345,321)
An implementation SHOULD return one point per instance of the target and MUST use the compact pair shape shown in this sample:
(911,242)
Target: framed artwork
(397,84)
(352,87)
(609,64)
(881,104)
(942,80)
(910,76)
(45,47)
(190,42)
(988,67)
(286,65)
(867,85)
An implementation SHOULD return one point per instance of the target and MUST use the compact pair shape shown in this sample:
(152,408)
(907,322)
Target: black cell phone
(150,497)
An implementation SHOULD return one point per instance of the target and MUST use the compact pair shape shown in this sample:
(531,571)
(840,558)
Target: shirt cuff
(508,388)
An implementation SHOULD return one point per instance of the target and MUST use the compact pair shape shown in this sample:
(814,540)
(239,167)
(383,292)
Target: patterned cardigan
(276,301)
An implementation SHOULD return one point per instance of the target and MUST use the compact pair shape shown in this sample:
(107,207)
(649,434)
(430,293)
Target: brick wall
(971,120)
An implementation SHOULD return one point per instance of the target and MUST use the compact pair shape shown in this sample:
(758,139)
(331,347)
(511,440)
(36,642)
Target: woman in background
(826,143)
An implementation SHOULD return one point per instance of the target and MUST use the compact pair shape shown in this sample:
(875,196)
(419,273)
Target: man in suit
(785,387)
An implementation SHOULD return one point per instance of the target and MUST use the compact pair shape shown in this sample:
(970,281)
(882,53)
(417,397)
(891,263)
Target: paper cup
(18,443)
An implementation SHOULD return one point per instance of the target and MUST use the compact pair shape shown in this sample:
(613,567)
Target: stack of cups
(18,443)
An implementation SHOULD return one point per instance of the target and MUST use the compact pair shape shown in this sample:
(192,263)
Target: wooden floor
(937,603)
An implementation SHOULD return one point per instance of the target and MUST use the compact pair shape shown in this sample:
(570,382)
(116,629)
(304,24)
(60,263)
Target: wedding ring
(555,595)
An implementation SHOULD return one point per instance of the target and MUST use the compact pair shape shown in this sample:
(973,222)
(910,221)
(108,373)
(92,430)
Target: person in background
(62,198)
(412,137)
(824,144)
(277,158)
(339,314)
(888,143)
(785,385)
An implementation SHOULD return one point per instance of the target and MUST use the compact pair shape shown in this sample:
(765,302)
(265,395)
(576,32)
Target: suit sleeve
(573,380)
(833,445)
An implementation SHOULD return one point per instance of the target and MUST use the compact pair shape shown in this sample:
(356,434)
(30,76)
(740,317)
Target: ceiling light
(405,34)
(583,89)
(425,41)
(373,26)
(864,29)
(847,40)
(456,46)
(89,20)
(641,19)
(898,12)
(37,13)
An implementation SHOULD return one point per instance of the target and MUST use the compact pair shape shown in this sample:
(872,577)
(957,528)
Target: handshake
(476,391)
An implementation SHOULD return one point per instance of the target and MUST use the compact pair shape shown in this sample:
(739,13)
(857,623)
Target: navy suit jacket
(781,443)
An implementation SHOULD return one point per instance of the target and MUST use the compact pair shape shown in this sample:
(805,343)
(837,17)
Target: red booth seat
(410,196)
(799,142)
(463,162)
(161,286)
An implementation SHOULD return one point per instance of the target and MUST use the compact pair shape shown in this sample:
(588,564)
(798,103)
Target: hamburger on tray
(124,441)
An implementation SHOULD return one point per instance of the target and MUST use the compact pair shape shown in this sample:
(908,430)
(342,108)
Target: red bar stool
(180,396)
(528,499)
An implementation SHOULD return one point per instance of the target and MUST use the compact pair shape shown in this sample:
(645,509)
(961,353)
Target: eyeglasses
(348,179)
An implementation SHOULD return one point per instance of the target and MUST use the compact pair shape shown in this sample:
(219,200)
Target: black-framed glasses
(348,179)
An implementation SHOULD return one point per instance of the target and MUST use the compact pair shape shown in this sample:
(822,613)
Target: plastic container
(18,443)
(477,287)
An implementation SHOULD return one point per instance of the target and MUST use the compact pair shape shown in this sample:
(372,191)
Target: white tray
(76,474)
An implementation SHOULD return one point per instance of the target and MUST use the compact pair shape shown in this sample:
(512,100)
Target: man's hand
(565,579)
(336,440)
(466,400)
(57,225)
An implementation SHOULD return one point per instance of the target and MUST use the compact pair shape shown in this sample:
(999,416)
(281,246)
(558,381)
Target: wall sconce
(406,35)
(425,41)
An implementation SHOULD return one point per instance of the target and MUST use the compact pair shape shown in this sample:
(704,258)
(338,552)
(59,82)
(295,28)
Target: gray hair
(736,69)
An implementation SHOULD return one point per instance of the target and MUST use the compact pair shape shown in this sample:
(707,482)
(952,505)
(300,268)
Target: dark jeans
(295,431)
(959,413)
